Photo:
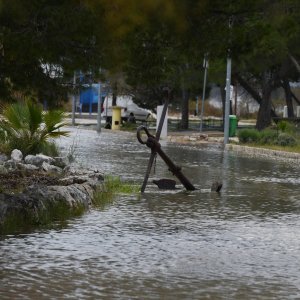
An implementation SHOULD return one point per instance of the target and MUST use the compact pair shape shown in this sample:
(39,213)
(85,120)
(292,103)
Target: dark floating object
(216,186)
(165,184)
(170,184)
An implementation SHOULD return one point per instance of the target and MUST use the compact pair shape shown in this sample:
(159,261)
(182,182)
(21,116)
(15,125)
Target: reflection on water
(243,243)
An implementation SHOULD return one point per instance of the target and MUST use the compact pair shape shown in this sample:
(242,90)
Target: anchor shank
(175,170)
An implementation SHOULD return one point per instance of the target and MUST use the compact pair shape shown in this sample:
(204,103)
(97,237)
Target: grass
(112,186)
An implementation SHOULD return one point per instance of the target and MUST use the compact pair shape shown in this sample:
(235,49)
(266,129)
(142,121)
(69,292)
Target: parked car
(127,107)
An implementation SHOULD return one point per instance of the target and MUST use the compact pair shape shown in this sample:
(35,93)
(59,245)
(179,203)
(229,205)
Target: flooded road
(243,243)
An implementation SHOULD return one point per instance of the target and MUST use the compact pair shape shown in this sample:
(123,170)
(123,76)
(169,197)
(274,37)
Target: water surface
(243,243)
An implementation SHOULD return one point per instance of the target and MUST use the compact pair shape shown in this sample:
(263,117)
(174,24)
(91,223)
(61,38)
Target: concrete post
(298,112)
(164,131)
(285,111)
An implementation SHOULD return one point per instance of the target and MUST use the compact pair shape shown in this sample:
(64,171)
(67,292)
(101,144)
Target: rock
(61,162)
(27,167)
(67,169)
(38,159)
(33,160)
(3,170)
(166,184)
(203,137)
(48,159)
(51,168)
(73,179)
(3,158)
(11,165)
(16,155)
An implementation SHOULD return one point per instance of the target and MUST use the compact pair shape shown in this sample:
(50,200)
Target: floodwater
(243,243)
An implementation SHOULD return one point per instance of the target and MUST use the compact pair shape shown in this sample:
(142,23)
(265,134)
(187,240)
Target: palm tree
(26,127)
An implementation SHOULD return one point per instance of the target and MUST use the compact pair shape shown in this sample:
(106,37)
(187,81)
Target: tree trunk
(288,97)
(184,108)
(264,113)
(114,94)
(295,98)
(251,91)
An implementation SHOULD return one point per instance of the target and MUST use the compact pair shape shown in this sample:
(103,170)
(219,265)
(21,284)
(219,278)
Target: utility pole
(227,99)
(205,66)
(99,108)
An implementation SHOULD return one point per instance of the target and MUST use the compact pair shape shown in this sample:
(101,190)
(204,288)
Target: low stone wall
(261,152)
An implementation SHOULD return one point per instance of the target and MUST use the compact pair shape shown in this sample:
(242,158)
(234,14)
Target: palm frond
(52,118)
(16,115)
(35,116)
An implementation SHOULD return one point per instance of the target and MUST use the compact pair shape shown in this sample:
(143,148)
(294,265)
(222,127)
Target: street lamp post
(227,100)
(228,90)
(205,66)
(74,100)
(99,108)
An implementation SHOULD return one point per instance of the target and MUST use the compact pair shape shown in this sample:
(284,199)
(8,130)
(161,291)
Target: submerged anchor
(153,143)
(155,147)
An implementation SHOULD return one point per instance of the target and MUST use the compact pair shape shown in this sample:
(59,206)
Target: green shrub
(285,139)
(248,136)
(286,127)
(267,137)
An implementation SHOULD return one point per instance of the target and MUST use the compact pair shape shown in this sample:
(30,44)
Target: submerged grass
(113,186)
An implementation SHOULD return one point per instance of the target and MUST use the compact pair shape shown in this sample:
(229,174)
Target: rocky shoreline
(57,192)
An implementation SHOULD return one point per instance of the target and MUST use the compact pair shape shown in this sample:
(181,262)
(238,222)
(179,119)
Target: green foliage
(267,136)
(26,127)
(285,140)
(287,127)
(42,43)
(248,135)
(112,186)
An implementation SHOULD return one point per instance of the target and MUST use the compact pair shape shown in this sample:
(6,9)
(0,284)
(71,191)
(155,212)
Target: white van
(127,106)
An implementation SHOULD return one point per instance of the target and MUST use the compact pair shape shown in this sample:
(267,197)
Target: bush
(268,136)
(26,127)
(248,136)
(286,127)
(285,139)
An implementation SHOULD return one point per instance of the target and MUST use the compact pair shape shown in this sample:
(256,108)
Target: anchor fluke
(165,184)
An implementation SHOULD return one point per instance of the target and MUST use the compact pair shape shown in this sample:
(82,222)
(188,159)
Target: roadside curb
(260,152)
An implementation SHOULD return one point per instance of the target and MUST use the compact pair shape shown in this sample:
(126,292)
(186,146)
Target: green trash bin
(232,125)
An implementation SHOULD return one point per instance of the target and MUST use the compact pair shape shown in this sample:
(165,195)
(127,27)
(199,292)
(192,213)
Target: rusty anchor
(153,143)
(155,147)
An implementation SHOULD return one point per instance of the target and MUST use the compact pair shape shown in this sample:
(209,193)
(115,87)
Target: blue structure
(89,98)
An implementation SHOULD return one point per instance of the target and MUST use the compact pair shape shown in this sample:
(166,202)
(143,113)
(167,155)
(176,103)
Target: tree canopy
(149,45)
